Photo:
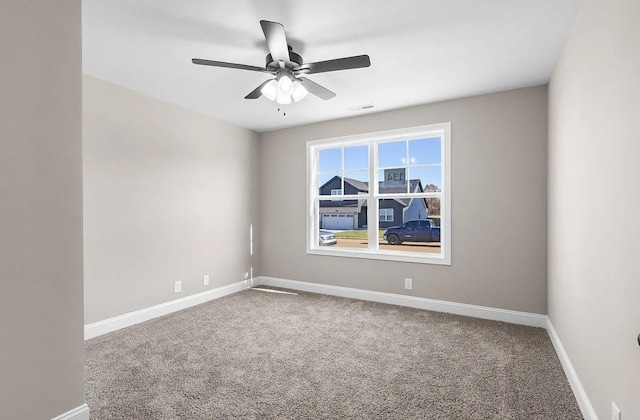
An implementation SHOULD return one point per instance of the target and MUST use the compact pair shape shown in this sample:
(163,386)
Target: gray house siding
(362,217)
(417,209)
(398,209)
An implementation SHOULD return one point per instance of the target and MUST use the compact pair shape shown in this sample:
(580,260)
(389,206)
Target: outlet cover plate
(206,279)
(177,287)
(615,412)
(408,284)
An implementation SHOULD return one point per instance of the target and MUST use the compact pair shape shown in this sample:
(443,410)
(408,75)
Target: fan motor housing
(293,57)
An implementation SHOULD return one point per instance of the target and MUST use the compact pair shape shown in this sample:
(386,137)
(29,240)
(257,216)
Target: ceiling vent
(361,107)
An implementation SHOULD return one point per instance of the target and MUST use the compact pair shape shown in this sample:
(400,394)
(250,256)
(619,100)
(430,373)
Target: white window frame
(386,215)
(372,140)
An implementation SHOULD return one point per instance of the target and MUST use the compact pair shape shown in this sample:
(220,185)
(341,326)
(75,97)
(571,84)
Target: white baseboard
(112,324)
(578,390)
(78,413)
(483,312)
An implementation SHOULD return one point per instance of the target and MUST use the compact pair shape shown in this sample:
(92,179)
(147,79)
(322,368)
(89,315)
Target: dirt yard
(423,247)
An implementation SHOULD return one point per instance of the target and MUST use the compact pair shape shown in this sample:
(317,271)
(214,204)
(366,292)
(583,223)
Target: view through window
(382,195)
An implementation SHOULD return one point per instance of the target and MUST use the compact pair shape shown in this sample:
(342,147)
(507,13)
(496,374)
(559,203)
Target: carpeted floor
(259,354)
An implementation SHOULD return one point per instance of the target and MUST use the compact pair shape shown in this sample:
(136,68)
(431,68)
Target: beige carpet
(259,355)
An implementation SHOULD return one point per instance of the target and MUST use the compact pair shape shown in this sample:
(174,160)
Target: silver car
(327,238)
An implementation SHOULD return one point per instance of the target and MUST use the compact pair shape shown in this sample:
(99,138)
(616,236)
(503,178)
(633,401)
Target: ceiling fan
(287,67)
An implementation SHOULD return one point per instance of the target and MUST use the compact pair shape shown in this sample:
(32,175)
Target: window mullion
(373,211)
(313,203)
(407,171)
(342,169)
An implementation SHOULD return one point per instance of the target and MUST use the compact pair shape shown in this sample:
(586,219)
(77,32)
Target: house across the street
(352,214)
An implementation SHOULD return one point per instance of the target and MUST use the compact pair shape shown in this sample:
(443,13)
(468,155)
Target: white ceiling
(421,51)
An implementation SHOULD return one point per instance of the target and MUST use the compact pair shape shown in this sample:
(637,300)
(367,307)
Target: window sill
(378,255)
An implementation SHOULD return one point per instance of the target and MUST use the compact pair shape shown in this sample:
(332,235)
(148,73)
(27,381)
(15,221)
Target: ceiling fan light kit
(282,90)
(287,67)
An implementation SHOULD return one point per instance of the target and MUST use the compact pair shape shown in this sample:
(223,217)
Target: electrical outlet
(206,279)
(177,287)
(615,412)
(408,284)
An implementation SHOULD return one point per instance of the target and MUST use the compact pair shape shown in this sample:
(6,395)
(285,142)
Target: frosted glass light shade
(270,90)
(284,84)
(299,91)
(283,99)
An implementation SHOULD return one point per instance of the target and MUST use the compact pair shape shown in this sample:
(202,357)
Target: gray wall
(169,196)
(594,196)
(41,333)
(499,166)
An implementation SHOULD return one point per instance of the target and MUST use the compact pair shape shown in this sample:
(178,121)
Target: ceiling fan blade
(228,65)
(345,63)
(257,92)
(312,87)
(276,40)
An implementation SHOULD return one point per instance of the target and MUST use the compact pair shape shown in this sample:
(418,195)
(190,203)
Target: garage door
(337,221)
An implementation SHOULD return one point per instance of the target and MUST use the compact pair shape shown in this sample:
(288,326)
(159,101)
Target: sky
(421,159)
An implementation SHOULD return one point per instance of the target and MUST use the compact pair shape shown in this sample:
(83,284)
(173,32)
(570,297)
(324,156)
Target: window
(391,191)
(386,215)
